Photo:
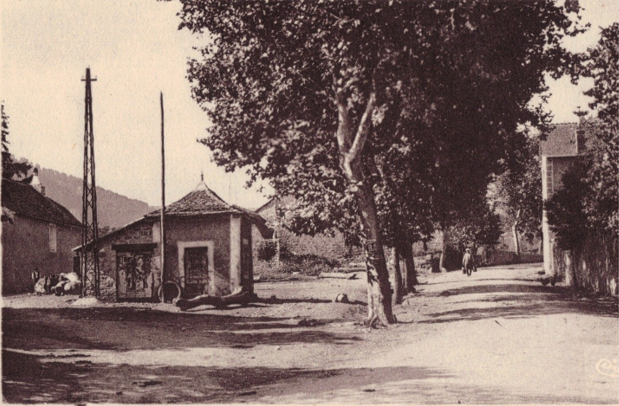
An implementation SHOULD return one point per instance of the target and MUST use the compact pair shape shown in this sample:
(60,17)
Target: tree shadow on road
(527,301)
(528,280)
(310,300)
(27,379)
(126,328)
(502,288)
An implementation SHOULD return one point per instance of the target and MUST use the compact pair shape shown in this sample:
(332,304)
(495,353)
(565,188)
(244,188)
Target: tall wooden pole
(162,246)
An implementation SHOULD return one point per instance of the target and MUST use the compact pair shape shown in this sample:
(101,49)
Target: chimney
(36,183)
(580,130)
(580,137)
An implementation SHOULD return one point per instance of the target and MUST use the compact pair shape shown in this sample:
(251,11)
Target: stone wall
(592,268)
(137,233)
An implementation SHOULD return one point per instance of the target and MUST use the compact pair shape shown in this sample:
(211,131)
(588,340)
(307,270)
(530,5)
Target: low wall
(499,257)
(592,268)
(485,257)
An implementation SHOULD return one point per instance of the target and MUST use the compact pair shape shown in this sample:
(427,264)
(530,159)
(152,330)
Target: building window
(52,238)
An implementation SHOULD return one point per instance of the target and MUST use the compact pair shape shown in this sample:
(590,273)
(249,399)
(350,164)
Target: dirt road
(494,337)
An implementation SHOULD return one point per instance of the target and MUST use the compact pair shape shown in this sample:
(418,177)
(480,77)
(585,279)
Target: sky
(135,51)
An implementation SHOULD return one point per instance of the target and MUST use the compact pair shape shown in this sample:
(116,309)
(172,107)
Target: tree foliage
(589,200)
(587,204)
(454,79)
(566,210)
(518,191)
(602,64)
(11,167)
(480,226)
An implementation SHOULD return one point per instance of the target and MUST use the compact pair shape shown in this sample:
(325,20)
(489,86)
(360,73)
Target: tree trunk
(411,272)
(403,273)
(540,248)
(515,234)
(239,296)
(441,263)
(351,148)
(398,288)
(516,240)
(569,260)
(379,288)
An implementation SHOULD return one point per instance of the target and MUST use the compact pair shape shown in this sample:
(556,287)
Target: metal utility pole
(162,245)
(90,252)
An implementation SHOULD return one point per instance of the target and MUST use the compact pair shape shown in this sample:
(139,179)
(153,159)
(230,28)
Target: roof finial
(202,176)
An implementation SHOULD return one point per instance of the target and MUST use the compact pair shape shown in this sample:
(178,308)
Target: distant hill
(113,210)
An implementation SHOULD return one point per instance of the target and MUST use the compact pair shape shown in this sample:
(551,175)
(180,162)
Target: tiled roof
(204,201)
(23,199)
(561,141)
(201,201)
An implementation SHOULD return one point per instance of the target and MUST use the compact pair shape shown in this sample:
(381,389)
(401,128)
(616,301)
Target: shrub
(266,250)
(308,264)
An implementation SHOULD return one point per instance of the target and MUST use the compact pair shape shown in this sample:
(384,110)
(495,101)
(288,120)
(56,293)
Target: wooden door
(196,271)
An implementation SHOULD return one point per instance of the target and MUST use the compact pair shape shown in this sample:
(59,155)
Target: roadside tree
(306,95)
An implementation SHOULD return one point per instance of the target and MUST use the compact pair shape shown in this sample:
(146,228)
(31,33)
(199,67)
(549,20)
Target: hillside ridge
(113,209)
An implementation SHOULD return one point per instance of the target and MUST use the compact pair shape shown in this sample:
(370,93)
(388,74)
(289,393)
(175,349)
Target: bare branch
(362,133)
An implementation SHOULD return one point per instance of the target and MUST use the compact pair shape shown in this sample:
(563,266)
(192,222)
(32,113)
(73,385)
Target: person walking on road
(468,263)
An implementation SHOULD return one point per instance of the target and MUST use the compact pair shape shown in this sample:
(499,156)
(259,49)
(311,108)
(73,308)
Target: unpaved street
(495,337)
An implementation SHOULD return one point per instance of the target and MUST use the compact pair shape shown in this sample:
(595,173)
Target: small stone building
(37,234)
(208,250)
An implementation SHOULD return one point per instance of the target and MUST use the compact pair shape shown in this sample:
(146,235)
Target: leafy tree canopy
(589,200)
(11,167)
(480,226)
(518,191)
(453,80)
(602,64)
